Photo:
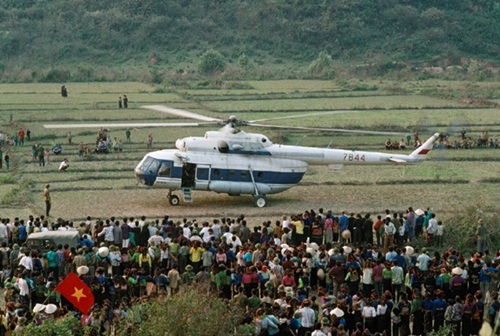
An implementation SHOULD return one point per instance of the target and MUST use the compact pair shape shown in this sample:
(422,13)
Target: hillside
(42,34)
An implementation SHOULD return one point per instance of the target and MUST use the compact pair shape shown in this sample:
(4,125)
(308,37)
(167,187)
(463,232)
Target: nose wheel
(260,201)
(173,199)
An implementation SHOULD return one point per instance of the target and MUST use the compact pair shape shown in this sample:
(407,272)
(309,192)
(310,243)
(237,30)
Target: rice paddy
(103,185)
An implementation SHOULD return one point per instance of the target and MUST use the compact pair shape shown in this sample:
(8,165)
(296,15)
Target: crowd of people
(313,273)
(484,140)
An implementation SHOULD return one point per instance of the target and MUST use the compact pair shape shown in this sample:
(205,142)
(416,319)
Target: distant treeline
(40,34)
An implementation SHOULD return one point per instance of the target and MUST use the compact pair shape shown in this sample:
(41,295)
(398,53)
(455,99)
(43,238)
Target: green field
(104,185)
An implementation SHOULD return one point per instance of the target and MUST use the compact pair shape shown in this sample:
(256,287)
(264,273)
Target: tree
(244,62)
(322,65)
(211,62)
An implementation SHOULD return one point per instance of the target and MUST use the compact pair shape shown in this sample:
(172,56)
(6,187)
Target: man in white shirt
(307,318)
(389,231)
(24,290)
(431,228)
(27,262)
(204,230)
(64,165)
(186,231)
(155,240)
(398,278)
(216,229)
(207,237)
(423,261)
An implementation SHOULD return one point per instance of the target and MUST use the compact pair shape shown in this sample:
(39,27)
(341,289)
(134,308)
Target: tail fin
(422,151)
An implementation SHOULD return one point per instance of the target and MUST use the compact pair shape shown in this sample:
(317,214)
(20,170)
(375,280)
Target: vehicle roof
(51,234)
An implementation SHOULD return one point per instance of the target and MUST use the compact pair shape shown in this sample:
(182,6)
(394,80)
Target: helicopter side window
(223,147)
(216,172)
(260,175)
(244,175)
(165,169)
(232,173)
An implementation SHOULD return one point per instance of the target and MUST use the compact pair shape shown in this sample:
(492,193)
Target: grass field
(104,185)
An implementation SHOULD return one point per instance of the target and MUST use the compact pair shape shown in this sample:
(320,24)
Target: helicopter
(238,163)
(232,161)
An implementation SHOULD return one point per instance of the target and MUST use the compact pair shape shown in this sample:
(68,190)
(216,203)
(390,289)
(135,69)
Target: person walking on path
(48,201)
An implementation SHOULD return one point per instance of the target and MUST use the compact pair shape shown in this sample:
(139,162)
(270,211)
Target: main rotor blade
(304,115)
(338,130)
(180,113)
(125,125)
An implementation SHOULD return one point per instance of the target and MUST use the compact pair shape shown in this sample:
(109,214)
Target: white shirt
(207,237)
(204,231)
(186,232)
(3,231)
(389,228)
(63,165)
(367,276)
(23,287)
(108,233)
(307,317)
(439,230)
(381,310)
(216,229)
(369,311)
(27,262)
(432,226)
(155,240)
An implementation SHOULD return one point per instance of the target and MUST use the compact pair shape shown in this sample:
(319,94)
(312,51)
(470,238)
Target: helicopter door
(188,175)
(202,177)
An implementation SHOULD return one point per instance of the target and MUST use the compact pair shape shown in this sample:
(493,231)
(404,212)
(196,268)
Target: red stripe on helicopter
(423,152)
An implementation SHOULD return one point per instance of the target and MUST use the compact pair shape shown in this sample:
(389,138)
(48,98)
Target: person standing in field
(41,155)
(64,91)
(48,201)
(1,158)
(127,134)
(21,137)
(481,234)
(7,161)
(125,101)
(149,142)
(120,105)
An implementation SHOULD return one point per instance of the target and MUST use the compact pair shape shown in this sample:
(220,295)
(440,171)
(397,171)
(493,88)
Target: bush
(66,326)
(322,65)
(56,76)
(211,62)
(192,313)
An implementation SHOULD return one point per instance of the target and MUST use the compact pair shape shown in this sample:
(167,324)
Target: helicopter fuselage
(234,162)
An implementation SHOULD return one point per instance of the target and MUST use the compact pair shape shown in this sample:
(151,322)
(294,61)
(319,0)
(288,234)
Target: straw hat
(347,249)
(457,271)
(419,212)
(82,270)
(409,250)
(50,308)
(38,308)
(337,312)
(314,246)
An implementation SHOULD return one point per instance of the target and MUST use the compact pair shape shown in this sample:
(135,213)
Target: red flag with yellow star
(76,292)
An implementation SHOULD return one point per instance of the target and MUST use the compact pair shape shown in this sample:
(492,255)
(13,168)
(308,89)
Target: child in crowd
(439,234)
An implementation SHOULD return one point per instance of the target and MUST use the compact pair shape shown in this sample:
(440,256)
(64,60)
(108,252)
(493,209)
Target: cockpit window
(145,165)
(153,168)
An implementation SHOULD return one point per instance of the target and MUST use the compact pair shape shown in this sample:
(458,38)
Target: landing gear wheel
(260,201)
(173,200)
